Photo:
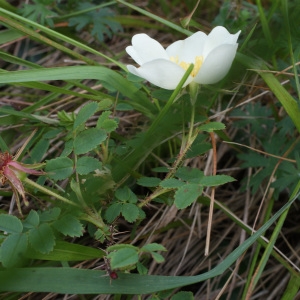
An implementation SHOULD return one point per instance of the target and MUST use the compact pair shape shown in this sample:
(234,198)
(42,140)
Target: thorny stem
(159,191)
(48,192)
(186,146)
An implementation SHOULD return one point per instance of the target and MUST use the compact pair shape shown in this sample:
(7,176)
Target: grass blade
(156,18)
(10,18)
(138,100)
(264,23)
(287,101)
(292,288)
(79,281)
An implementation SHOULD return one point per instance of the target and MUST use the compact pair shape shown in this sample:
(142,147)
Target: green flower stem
(171,99)
(193,89)
(48,192)
(186,144)
(151,138)
(191,130)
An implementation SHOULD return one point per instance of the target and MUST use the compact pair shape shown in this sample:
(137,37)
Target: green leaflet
(79,281)
(10,224)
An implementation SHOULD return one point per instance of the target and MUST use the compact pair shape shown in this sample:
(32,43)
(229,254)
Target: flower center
(197,64)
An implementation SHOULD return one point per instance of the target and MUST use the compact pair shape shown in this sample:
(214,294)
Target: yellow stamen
(197,64)
(174,59)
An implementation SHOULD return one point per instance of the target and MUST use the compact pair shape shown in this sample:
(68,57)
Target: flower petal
(217,64)
(145,49)
(218,36)
(175,49)
(161,72)
(189,48)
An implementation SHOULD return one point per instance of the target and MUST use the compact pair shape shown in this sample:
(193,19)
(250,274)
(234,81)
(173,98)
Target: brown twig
(212,198)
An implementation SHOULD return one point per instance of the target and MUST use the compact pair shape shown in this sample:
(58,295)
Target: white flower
(212,56)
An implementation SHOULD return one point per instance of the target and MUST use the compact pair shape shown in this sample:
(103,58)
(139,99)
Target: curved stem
(186,144)
(48,192)
(135,158)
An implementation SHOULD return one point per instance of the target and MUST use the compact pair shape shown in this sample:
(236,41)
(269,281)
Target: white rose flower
(212,56)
